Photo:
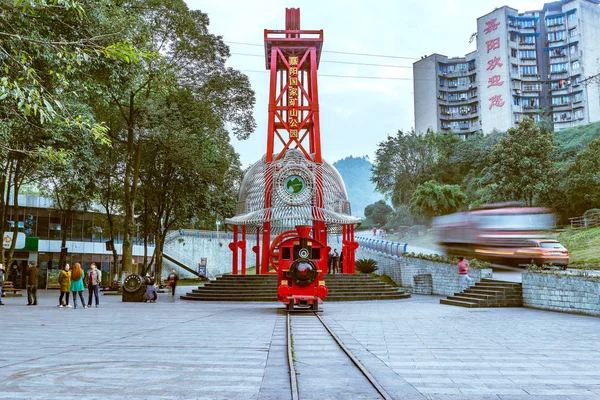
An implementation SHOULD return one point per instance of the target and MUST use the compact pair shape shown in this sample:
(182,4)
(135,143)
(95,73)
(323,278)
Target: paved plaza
(203,350)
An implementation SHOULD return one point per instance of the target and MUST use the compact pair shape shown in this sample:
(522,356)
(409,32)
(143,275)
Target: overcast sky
(356,114)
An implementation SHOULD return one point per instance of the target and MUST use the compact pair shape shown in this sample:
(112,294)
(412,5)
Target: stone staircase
(488,293)
(264,288)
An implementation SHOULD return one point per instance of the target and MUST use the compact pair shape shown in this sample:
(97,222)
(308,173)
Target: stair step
(463,297)
(459,303)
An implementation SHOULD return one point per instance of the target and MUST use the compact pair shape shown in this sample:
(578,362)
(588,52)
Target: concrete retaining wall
(403,270)
(562,292)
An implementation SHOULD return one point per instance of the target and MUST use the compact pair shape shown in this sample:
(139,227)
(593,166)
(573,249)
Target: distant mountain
(356,172)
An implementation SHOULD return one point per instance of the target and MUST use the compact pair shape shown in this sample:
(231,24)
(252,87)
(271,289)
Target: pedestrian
(375,231)
(336,261)
(463,274)
(151,294)
(1,282)
(172,280)
(77,284)
(32,275)
(64,279)
(94,279)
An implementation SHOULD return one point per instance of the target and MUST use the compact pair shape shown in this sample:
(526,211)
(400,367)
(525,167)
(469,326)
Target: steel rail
(356,362)
(292,368)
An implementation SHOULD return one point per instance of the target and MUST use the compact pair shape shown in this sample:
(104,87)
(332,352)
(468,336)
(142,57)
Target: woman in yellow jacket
(64,279)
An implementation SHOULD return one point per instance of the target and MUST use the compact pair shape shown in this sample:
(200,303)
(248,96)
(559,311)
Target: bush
(591,212)
(366,265)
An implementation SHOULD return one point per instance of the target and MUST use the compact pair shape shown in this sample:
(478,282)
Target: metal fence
(383,246)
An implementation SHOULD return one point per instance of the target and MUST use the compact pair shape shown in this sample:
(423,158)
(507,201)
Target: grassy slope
(571,141)
(583,245)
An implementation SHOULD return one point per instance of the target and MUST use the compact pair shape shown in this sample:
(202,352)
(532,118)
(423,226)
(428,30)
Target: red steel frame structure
(292,57)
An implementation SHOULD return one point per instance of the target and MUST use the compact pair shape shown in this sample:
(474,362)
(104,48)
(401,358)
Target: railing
(590,221)
(383,246)
(173,235)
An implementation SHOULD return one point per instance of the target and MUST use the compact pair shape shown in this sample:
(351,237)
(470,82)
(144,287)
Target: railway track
(320,364)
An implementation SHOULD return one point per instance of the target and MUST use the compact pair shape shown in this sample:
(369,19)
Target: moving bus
(493,232)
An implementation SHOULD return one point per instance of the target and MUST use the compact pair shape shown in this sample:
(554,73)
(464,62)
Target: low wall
(562,292)
(403,270)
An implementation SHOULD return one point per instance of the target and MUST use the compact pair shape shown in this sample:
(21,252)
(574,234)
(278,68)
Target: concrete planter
(562,292)
(444,277)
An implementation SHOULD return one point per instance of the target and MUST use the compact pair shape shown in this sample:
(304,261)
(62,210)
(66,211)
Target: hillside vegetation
(571,141)
(583,245)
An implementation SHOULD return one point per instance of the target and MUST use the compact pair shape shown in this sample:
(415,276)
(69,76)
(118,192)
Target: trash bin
(134,288)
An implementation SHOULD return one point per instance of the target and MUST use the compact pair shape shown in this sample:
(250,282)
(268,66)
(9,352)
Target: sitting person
(151,294)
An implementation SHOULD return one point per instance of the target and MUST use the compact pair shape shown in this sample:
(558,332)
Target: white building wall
(425,89)
(589,43)
(494,80)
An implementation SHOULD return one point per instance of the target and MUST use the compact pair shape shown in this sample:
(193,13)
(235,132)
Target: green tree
(583,178)
(191,57)
(521,163)
(432,199)
(378,212)
(405,161)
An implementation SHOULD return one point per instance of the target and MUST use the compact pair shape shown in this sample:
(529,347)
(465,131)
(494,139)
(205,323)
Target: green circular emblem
(294,184)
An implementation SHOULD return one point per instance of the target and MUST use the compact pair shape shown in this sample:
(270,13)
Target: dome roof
(294,192)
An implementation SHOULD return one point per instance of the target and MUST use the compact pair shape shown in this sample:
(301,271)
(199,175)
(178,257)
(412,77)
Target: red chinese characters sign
(293,97)
(491,46)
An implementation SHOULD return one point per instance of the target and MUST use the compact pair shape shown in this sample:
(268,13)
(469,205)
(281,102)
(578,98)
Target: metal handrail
(396,249)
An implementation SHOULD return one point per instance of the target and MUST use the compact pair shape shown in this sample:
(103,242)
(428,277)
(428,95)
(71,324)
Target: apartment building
(531,63)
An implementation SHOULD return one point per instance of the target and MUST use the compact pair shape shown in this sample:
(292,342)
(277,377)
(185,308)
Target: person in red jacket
(463,274)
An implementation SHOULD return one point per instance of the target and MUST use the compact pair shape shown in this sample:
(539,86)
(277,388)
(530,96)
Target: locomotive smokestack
(303,231)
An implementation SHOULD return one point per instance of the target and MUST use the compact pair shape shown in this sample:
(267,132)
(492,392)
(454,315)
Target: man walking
(94,280)
(32,282)
(1,282)
(463,274)
(172,281)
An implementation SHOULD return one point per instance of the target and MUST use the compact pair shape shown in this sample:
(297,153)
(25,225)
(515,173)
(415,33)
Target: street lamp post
(218,224)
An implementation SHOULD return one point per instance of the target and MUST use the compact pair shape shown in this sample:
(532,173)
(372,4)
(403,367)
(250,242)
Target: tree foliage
(521,164)
(378,212)
(432,199)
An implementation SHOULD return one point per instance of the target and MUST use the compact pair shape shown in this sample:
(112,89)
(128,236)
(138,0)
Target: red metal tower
(292,57)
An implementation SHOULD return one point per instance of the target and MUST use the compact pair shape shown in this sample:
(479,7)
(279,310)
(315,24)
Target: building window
(472,65)
(528,54)
(555,20)
(442,67)
(461,67)
(577,97)
(579,114)
(513,36)
(463,80)
(516,100)
(563,83)
(531,102)
(560,67)
(513,52)
(453,83)
(556,36)
(573,32)
(562,117)
(453,110)
(527,23)
(575,65)
(532,87)
(514,69)
(558,52)
(529,39)
(529,69)
(54,227)
(572,16)
(573,48)
(451,67)
(560,100)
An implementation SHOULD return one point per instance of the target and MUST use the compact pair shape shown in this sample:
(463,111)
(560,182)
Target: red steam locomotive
(301,262)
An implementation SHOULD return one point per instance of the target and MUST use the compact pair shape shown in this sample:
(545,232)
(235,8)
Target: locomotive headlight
(303,272)
(303,253)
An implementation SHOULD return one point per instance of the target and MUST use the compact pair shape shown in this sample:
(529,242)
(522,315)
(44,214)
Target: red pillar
(234,270)
(257,251)
(243,243)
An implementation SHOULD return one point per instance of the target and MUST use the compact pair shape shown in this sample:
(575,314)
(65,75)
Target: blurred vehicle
(543,251)
(493,232)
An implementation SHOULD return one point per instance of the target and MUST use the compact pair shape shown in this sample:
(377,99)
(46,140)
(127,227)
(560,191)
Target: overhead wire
(337,52)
